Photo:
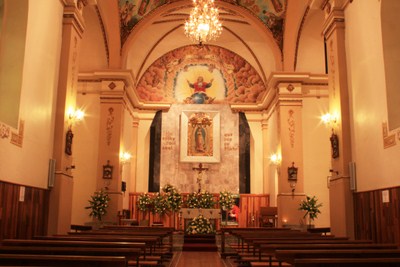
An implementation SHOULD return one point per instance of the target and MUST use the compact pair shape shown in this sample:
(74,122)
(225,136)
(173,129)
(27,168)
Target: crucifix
(200,170)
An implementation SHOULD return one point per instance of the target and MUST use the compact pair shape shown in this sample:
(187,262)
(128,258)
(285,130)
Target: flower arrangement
(199,225)
(160,204)
(145,202)
(98,204)
(200,200)
(225,200)
(173,197)
(310,206)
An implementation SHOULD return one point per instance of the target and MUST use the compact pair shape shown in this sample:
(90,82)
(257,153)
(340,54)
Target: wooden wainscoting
(249,211)
(377,220)
(22,219)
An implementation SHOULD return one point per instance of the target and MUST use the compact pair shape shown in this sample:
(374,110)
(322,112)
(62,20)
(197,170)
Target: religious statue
(199,170)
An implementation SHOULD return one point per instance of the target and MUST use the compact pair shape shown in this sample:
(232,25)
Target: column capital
(334,21)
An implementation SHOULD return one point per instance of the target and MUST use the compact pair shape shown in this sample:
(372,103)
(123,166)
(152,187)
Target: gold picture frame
(200,136)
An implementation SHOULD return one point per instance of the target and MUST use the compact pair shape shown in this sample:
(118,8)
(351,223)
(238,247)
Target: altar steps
(199,243)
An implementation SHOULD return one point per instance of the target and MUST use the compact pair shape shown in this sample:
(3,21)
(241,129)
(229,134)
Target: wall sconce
(329,119)
(275,159)
(75,115)
(292,176)
(125,157)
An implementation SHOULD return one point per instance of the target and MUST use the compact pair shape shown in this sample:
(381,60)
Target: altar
(212,214)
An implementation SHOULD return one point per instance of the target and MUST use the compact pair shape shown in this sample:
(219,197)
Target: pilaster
(341,199)
(60,206)
(290,184)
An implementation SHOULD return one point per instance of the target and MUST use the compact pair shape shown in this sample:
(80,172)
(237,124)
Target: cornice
(334,20)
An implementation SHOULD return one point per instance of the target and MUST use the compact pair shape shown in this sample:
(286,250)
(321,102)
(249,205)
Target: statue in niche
(335,145)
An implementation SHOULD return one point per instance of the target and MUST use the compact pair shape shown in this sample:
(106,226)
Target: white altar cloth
(207,213)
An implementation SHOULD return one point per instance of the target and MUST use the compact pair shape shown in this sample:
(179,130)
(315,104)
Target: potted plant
(98,204)
(311,206)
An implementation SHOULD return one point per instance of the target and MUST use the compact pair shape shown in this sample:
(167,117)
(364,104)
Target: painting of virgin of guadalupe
(200,141)
(200,136)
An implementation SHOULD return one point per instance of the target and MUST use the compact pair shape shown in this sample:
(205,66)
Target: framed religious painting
(200,136)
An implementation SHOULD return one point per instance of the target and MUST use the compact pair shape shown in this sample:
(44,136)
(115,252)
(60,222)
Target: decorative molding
(4,131)
(112,85)
(110,125)
(292,130)
(389,139)
(290,87)
(18,138)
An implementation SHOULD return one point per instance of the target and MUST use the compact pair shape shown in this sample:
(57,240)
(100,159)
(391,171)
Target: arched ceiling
(263,32)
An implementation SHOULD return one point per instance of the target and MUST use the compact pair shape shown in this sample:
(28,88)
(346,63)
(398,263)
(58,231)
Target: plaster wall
(311,54)
(376,166)
(92,46)
(28,164)
(85,153)
(316,155)
(256,154)
(273,147)
(127,146)
(143,152)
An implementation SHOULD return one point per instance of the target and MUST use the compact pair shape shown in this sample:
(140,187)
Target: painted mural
(214,73)
(131,11)
(271,12)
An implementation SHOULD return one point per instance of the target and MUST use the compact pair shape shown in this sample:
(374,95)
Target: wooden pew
(270,249)
(232,231)
(349,262)
(61,260)
(75,244)
(290,256)
(149,242)
(131,254)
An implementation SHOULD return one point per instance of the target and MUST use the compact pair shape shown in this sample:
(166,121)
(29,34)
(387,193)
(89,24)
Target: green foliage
(98,204)
(199,225)
(311,206)
(145,202)
(173,197)
(160,204)
(200,201)
(226,200)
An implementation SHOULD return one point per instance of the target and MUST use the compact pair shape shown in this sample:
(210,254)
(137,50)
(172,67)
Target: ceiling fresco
(270,12)
(170,78)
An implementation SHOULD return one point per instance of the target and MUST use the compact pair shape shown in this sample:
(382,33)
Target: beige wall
(273,147)
(376,167)
(316,155)
(127,146)
(143,152)
(311,54)
(85,153)
(256,153)
(28,165)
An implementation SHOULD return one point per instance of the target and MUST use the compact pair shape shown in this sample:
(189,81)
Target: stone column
(60,205)
(341,198)
(290,191)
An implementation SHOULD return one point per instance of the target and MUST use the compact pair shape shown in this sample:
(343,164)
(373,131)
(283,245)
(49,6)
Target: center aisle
(198,259)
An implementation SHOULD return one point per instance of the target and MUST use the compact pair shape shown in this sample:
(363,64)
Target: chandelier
(203,24)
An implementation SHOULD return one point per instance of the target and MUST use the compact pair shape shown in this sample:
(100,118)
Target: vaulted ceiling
(265,33)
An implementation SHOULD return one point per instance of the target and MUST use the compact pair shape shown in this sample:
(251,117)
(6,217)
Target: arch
(12,52)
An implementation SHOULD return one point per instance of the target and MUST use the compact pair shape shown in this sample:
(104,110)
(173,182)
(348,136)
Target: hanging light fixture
(203,24)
